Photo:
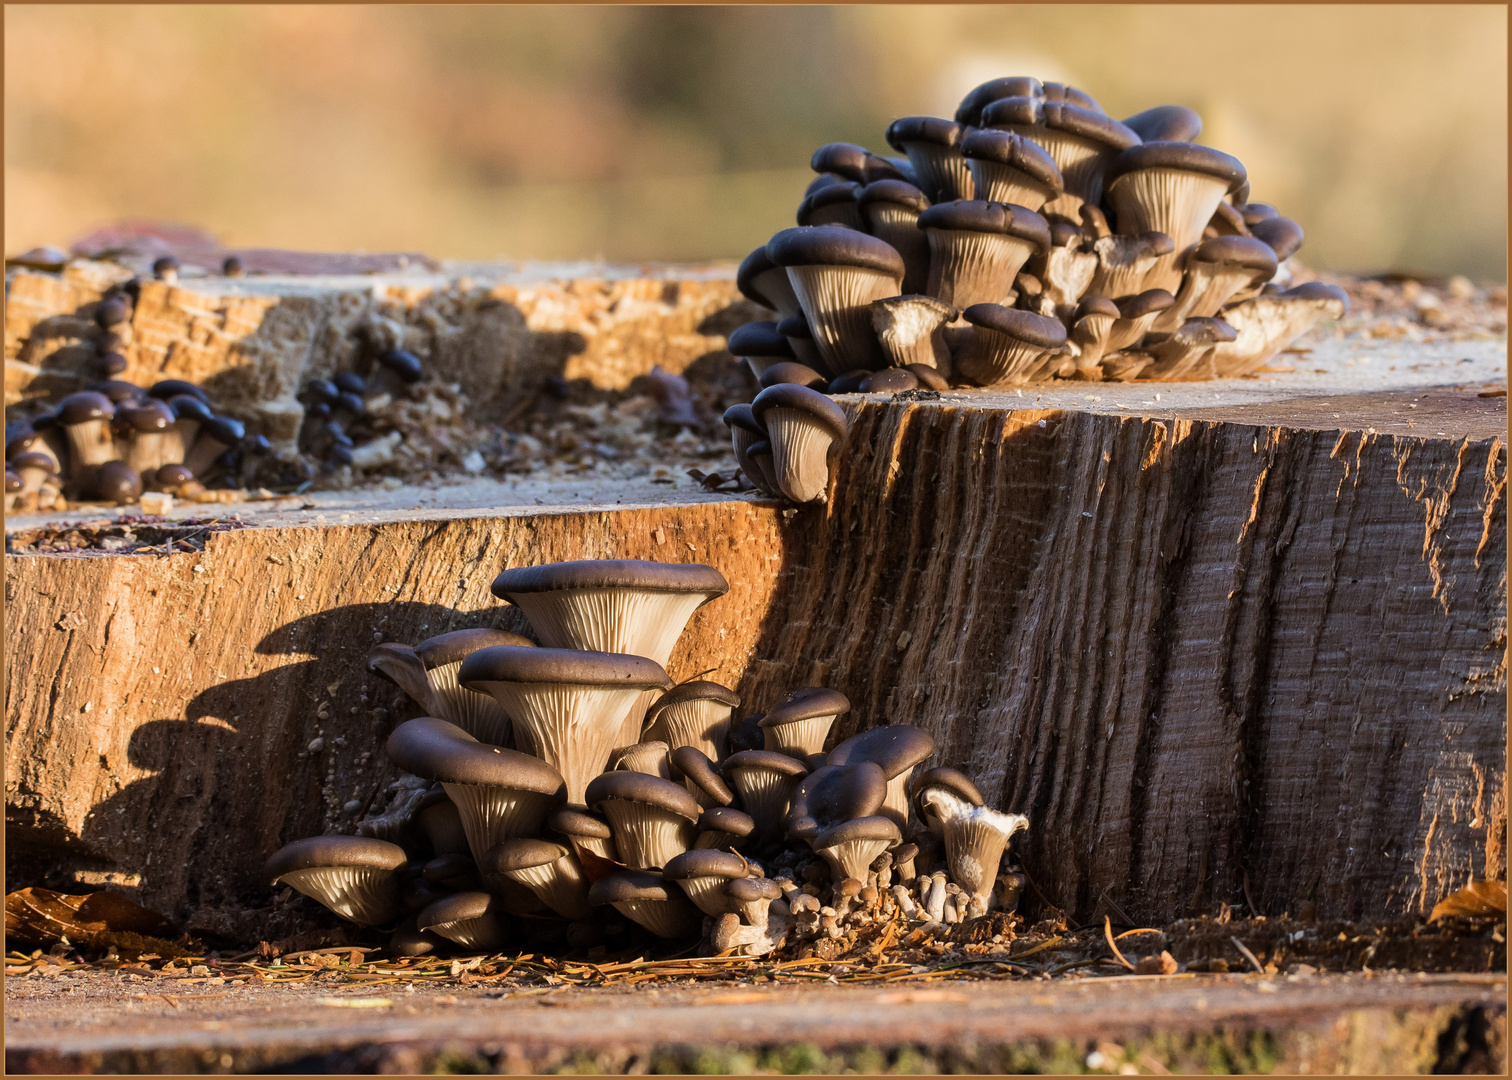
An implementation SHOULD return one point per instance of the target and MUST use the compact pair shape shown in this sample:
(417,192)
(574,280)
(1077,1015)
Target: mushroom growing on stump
(695,714)
(703,874)
(795,330)
(744,430)
(400,665)
(215,437)
(724,827)
(943,778)
(852,846)
(765,781)
(357,877)
(85,418)
(477,714)
(752,928)
(626,606)
(643,897)
(911,330)
(801,721)
(701,776)
(1266,324)
(584,831)
(1217,270)
(1081,141)
(1009,168)
(835,273)
(976,249)
(116,482)
(153,441)
(833,204)
(1009,346)
(1125,262)
(1282,234)
(1188,353)
(760,346)
(933,147)
(1165,123)
(652,819)
(792,373)
(473,920)
(835,793)
(975,839)
(549,870)
(891,210)
(802,426)
(1091,325)
(500,794)
(896,749)
(1169,187)
(569,705)
(1135,314)
(1065,271)
(893,380)
(762,281)
(647,756)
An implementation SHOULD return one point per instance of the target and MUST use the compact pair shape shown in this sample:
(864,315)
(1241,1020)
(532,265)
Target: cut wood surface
(1198,649)
(1353,1024)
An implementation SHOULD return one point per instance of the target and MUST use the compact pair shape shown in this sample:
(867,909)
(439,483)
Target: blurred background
(684,133)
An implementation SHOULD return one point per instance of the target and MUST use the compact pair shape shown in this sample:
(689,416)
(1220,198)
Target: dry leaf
(93,920)
(1478,900)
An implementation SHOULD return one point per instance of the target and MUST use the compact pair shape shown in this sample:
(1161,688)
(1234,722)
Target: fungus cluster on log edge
(1032,237)
(554,783)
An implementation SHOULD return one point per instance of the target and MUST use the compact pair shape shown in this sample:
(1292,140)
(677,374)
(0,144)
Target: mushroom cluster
(553,781)
(1032,237)
(340,413)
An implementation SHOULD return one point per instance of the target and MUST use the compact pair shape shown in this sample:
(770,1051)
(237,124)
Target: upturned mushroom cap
(765,781)
(794,373)
(647,756)
(1181,157)
(635,574)
(1009,345)
(441,751)
(1188,352)
(706,862)
(454,647)
(976,215)
(645,898)
(1268,323)
(1082,140)
(1149,302)
(970,110)
(696,690)
(851,162)
(975,839)
(1217,270)
(895,748)
(802,719)
(865,828)
(851,846)
(741,417)
(766,760)
(1165,123)
(890,210)
(933,146)
(400,665)
(834,272)
(702,773)
(977,248)
(576,822)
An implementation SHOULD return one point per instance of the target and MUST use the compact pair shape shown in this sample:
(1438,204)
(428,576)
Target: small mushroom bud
(890,381)
(845,894)
(934,901)
(109,364)
(116,482)
(166,269)
(905,903)
(903,860)
(232,266)
(112,312)
(1009,887)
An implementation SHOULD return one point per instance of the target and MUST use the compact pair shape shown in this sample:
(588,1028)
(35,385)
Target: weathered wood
(1193,651)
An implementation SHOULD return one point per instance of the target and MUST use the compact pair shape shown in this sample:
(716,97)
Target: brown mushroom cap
(866,828)
(736,416)
(805,704)
(1184,156)
(1247,252)
(84,406)
(727,819)
(1095,305)
(695,765)
(644,788)
(749,889)
(705,862)
(930,129)
(1146,303)
(147,416)
(1023,154)
(763,759)
(892,380)
(834,245)
(760,339)
(1282,234)
(895,192)
(974,215)
(1040,330)
(970,110)
(1062,116)
(322,851)
(790,372)
(895,748)
(626,885)
(952,780)
(520,853)
(117,482)
(696,690)
(633,574)
(835,793)
(437,750)
(1165,123)
(460,644)
(457,908)
(841,195)
(575,667)
(811,403)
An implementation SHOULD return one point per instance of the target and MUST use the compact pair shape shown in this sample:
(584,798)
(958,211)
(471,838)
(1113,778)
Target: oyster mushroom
(1268,323)
(835,793)
(895,749)
(153,438)
(792,373)
(652,819)
(357,877)
(85,419)
(1091,326)
(500,794)
(760,346)
(477,714)
(441,822)
(626,606)
(801,721)
(584,831)
(763,282)
(703,874)
(649,757)
(1169,187)
(851,162)
(765,781)
(933,146)
(759,454)
(1283,235)
(409,940)
(943,778)
(643,897)
(1135,315)
(744,430)
(1188,353)
(969,112)
(35,470)
(911,329)
(1009,346)
(795,330)
(1083,143)
(753,928)
(835,273)
(189,415)
(1124,263)
(1165,123)
(1217,269)
(473,920)
(802,426)
(1066,271)
(976,249)
(696,714)
(701,776)
(1009,168)
(725,828)
(569,705)
(401,665)
(975,839)
(548,870)
(116,482)
(850,847)
(891,209)
(215,437)
(832,204)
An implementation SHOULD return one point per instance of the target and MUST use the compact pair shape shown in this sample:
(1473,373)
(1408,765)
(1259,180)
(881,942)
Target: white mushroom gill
(906,330)
(836,301)
(764,794)
(477,714)
(852,858)
(647,836)
(707,892)
(995,359)
(1264,326)
(491,814)
(621,620)
(560,885)
(1081,161)
(941,169)
(1069,270)
(975,839)
(363,894)
(483,933)
(572,728)
(701,723)
(968,267)
(1000,183)
(800,456)
(797,738)
(1177,202)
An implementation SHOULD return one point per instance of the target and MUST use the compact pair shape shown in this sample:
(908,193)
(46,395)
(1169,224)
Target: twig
(1248,899)
(1259,967)
(1108,933)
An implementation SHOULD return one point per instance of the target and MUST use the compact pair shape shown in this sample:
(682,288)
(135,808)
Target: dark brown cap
(520,853)
(116,482)
(1242,251)
(1184,156)
(852,162)
(929,378)
(763,759)
(695,765)
(890,380)
(953,781)
(1317,291)
(112,312)
(974,215)
(811,403)
(13,481)
(1095,305)
(458,907)
(741,416)
(747,890)
(623,885)
(1166,123)
(863,828)
(31,459)
(833,245)
(635,574)
(928,129)
(896,748)
(759,339)
(1254,212)
(1055,91)
(755,264)
(576,821)
(1282,234)
(167,388)
(406,365)
(1009,148)
(322,851)
(441,751)
(147,416)
(795,326)
(793,373)
(1145,303)
(895,192)
(460,644)
(705,862)
(842,192)
(970,110)
(835,793)
(84,406)
(1062,116)
(189,407)
(697,689)
(727,819)
(638,787)
(1040,330)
